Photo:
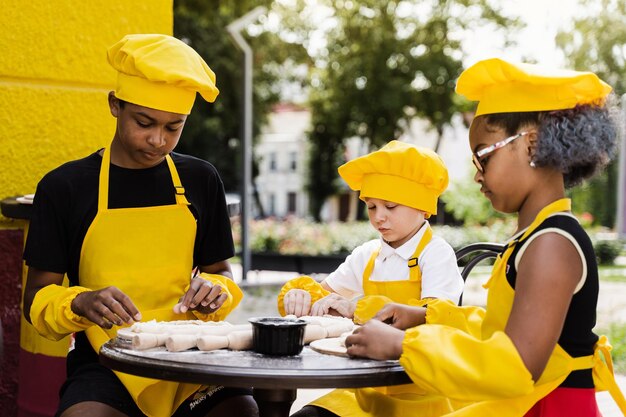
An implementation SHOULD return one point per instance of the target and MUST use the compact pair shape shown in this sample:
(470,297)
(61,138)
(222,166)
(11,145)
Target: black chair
(476,252)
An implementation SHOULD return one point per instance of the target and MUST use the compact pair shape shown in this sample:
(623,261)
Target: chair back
(478,252)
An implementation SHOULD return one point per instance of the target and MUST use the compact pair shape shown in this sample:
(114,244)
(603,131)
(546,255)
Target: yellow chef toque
(401,173)
(160,72)
(503,87)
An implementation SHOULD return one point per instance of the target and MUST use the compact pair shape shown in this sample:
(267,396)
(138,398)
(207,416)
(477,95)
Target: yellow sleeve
(301,283)
(444,360)
(51,313)
(466,318)
(230,288)
(368,306)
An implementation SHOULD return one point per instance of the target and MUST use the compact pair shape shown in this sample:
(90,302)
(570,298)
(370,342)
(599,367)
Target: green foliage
(594,43)
(598,196)
(304,237)
(607,250)
(382,63)
(213,130)
(466,203)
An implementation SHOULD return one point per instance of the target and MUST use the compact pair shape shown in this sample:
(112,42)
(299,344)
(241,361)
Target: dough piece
(331,346)
(240,340)
(142,341)
(207,343)
(339,328)
(314,332)
(180,342)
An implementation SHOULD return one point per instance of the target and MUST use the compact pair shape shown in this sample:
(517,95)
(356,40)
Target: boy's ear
(114,104)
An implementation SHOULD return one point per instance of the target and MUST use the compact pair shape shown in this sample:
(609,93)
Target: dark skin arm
(202,295)
(103,307)
(547,276)
(109,305)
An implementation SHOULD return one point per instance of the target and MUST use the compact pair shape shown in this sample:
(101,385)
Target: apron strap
(180,190)
(370,265)
(103,183)
(428,235)
(603,376)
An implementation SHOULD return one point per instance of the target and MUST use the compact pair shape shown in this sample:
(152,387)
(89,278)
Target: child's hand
(375,340)
(297,302)
(401,316)
(335,305)
(105,307)
(201,296)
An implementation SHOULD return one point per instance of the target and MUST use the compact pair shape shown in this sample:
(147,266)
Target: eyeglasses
(476,157)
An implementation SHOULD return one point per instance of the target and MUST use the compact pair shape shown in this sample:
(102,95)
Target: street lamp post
(234,30)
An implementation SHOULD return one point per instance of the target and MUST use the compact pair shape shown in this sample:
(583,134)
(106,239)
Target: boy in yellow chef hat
(127,224)
(400,184)
(532,352)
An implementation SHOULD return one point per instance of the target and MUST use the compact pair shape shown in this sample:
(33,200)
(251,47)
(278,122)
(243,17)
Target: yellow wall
(54,80)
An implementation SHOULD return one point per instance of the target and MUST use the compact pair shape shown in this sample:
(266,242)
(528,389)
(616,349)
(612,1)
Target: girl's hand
(401,316)
(201,296)
(375,340)
(105,307)
(297,302)
(335,305)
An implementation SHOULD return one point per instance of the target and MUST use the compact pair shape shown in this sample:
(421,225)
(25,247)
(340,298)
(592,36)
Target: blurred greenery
(384,63)
(595,43)
(213,130)
(466,203)
(368,68)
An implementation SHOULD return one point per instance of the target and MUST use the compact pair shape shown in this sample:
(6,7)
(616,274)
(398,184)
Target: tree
(213,130)
(597,42)
(381,63)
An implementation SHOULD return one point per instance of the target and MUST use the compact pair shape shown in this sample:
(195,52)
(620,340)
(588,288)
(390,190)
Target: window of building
(272,204)
(293,161)
(291,202)
(272,160)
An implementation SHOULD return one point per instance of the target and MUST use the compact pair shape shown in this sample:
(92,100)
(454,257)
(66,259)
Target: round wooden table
(274,380)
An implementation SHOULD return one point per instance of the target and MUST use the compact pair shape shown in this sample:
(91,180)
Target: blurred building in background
(282,154)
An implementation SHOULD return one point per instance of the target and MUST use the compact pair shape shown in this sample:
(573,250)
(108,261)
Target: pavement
(261,288)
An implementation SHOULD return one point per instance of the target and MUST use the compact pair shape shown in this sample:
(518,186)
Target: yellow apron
(507,389)
(146,252)
(560,365)
(399,400)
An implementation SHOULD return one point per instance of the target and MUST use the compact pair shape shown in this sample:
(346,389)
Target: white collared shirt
(440,274)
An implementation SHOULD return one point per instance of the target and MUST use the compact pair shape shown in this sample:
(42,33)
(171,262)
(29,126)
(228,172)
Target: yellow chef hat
(160,72)
(399,172)
(502,87)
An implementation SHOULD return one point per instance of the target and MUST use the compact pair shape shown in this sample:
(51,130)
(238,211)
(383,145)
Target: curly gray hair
(578,142)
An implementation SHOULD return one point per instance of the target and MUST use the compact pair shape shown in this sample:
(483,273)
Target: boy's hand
(105,307)
(375,340)
(297,302)
(401,316)
(335,305)
(201,296)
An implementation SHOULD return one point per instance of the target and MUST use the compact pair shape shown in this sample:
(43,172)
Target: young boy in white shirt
(400,183)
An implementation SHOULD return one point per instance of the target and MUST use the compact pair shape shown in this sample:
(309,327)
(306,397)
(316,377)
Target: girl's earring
(532,164)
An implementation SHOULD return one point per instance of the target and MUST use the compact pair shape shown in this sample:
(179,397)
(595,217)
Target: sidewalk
(261,289)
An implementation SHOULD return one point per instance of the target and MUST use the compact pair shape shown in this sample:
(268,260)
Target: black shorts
(89,381)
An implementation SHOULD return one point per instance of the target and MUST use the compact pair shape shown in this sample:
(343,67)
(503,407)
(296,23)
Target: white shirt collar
(405,251)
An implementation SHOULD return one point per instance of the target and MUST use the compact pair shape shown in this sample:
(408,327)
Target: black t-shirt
(577,337)
(66,203)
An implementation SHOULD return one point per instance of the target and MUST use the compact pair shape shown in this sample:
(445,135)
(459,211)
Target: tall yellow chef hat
(399,172)
(160,72)
(502,87)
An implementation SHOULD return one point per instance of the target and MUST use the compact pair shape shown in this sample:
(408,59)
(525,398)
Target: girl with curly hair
(532,351)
